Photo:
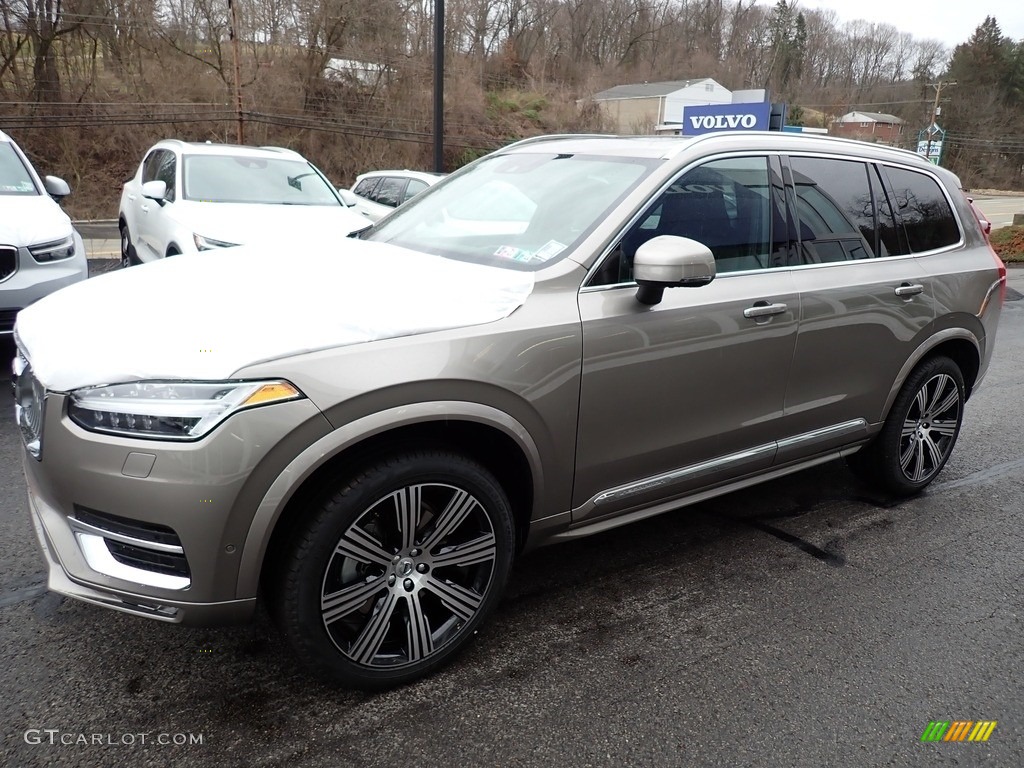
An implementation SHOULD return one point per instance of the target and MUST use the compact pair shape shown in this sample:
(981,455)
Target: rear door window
(390,192)
(835,209)
(923,210)
(366,187)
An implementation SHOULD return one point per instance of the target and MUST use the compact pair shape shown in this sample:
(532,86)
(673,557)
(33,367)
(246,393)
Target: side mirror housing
(56,187)
(668,261)
(347,197)
(155,190)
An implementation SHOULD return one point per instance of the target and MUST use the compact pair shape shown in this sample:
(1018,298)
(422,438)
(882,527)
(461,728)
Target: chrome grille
(8,261)
(29,398)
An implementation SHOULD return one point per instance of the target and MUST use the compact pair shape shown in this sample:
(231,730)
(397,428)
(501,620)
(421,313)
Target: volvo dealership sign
(726,117)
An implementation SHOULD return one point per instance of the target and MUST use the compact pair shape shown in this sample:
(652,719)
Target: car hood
(206,316)
(31,219)
(251,224)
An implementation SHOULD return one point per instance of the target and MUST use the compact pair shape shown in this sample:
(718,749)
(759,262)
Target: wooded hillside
(87,85)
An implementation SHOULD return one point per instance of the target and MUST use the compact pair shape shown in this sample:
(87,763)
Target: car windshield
(241,179)
(520,210)
(14,176)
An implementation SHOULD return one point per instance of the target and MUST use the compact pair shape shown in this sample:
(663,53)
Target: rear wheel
(920,431)
(128,256)
(392,575)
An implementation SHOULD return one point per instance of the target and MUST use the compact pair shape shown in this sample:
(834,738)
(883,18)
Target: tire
(128,256)
(919,434)
(392,574)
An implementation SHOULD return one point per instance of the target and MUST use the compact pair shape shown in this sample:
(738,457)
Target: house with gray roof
(648,108)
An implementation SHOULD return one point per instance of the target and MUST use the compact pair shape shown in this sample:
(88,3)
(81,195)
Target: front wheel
(919,434)
(393,573)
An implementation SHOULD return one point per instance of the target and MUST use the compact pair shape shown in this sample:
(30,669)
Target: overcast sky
(951,21)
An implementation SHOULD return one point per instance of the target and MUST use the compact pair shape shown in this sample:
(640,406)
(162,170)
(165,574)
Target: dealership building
(682,107)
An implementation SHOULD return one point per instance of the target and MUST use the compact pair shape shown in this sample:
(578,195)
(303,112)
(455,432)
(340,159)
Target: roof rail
(559,137)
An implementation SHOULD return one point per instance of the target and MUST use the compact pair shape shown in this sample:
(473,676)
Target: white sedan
(191,197)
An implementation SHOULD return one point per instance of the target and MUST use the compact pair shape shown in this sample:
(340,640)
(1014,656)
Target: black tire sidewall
(126,247)
(313,544)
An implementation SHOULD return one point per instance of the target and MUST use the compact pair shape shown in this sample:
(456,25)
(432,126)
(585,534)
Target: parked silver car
(370,436)
(40,251)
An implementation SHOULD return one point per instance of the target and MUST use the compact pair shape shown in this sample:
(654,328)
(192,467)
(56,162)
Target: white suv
(187,198)
(378,193)
(39,249)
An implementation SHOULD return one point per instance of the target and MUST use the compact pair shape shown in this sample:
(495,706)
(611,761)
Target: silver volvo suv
(565,336)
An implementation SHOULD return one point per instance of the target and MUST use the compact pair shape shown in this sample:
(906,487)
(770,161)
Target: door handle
(144,208)
(131,198)
(909,289)
(764,309)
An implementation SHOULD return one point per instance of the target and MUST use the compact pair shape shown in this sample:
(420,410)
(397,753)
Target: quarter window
(834,204)
(415,187)
(923,210)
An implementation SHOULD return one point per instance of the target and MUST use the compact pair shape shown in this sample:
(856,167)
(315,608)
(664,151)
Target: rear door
(688,392)
(864,302)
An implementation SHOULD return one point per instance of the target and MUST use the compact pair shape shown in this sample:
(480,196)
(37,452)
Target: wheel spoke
(933,451)
(912,461)
(358,544)
(948,402)
(344,601)
(479,550)
(909,428)
(408,503)
(459,600)
(366,646)
(944,427)
(420,641)
(922,400)
(459,507)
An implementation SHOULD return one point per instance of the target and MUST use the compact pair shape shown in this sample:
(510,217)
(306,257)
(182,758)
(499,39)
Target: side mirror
(155,190)
(347,197)
(668,261)
(56,187)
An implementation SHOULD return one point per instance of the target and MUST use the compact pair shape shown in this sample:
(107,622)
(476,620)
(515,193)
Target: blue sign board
(726,117)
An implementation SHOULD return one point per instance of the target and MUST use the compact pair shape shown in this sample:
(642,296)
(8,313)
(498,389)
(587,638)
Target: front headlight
(53,251)
(208,243)
(170,410)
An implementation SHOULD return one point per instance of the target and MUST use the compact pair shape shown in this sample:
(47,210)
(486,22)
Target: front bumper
(105,531)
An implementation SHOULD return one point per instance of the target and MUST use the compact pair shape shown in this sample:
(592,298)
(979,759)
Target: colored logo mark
(959,730)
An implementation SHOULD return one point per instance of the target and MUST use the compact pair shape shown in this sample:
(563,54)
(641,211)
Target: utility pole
(439,86)
(233,31)
(935,111)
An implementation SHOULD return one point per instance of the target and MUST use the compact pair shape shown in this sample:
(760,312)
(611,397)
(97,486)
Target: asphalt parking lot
(806,622)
